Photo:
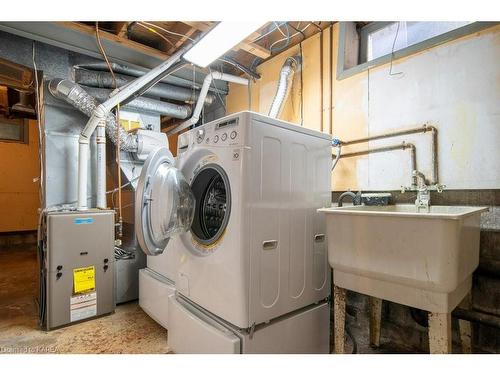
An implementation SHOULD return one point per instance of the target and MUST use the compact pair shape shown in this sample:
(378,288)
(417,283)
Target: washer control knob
(223,136)
(233,134)
(200,134)
(216,139)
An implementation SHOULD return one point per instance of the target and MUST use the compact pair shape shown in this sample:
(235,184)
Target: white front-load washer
(256,247)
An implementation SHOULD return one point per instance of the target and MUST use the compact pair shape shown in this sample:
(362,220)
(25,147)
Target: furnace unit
(77,265)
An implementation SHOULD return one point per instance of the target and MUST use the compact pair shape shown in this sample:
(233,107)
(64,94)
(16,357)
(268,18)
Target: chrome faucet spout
(356,198)
(423,194)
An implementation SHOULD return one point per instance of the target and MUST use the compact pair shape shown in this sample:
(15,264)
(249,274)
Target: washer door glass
(212,193)
(165,204)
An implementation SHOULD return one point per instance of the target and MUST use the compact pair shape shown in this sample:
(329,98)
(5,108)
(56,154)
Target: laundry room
(327,183)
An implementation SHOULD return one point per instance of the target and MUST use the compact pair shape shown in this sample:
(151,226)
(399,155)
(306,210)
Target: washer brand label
(83,220)
(83,306)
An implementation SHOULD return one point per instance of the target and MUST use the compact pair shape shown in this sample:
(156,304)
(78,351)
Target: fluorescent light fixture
(219,40)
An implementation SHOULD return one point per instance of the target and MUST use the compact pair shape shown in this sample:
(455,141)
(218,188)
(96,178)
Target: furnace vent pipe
(75,95)
(101,112)
(105,80)
(284,84)
(204,89)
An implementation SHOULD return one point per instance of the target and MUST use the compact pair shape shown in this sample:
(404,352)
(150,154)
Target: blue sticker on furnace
(84,220)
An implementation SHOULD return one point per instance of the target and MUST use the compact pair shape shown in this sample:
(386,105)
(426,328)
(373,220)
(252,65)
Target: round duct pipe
(105,80)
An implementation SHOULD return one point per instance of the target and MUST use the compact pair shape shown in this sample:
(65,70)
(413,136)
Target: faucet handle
(440,187)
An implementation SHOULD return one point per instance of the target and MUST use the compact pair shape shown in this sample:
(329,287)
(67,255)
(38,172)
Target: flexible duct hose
(284,84)
(75,95)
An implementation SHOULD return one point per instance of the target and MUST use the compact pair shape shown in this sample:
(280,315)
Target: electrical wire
(392,52)
(301,87)
(169,31)
(117,133)
(266,34)
(299,31)
(40,125)
(157,33)
(291,37)
(101,49)
(279,29)
(287,39)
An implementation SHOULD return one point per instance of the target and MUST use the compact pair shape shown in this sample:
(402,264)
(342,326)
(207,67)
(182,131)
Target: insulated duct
(204,89)
(142,104)
(162,90)
(284,84)
(136,72)
(75,95)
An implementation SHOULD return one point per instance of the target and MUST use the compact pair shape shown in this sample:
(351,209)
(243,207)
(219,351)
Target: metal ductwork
(284,84)
(105,80)
(142,104)
(136,72)
(75,95)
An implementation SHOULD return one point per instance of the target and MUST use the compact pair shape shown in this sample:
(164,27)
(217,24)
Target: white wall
(455,87)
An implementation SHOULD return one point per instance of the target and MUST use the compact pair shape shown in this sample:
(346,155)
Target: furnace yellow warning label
(84,279)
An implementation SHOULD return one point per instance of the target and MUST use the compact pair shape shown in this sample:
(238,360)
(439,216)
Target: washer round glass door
(165,204)
(210,187)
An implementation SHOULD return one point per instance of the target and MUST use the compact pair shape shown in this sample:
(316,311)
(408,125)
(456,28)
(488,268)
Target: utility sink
(419,259)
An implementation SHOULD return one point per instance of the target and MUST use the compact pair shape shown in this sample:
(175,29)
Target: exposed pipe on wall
(477,316)
(284,84)
(423,129)
(204,89)
(100,113)
(402,146)
(105,80)
(101,165)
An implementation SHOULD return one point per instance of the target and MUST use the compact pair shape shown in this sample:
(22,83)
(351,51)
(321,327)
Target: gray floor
(128,330)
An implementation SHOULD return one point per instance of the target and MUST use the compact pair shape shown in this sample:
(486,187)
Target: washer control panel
(223,133)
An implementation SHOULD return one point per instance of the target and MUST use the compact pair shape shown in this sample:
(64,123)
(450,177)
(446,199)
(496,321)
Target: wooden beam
(106,36)
(121,29)
(254,49)
(201,26)
(181,41)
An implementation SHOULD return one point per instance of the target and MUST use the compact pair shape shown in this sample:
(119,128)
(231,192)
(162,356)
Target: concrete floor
(128,330)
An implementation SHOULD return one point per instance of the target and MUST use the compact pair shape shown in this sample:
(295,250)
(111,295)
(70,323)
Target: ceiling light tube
(219,40)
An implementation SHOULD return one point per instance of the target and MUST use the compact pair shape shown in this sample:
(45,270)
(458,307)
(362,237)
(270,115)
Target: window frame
(343,72)
(25,131)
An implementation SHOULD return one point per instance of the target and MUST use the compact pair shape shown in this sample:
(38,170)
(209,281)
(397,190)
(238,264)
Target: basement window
(378,38)
(13,130)
(362,45)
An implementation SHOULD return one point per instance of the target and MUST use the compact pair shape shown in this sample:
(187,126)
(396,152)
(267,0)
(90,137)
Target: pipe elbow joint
(100,112)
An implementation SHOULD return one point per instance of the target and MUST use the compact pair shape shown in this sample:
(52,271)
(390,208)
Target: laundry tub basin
(420,259)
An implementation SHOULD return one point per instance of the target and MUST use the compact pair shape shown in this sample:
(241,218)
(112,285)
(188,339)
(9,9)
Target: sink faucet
(423,194)
(356,198)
